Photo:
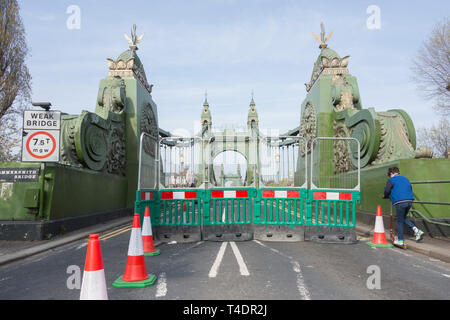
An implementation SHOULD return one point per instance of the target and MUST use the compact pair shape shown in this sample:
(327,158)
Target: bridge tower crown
(206,119)
(252,121)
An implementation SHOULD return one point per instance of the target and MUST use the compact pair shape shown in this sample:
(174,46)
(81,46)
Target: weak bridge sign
(41,135)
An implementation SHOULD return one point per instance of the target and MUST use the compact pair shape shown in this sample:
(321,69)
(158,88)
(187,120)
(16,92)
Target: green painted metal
(223,206)
(323,211)
(277,208)
(167,209)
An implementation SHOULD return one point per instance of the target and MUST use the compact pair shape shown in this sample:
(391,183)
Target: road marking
(161,289)
(115,231)
(446,275)
(216,264)
(242,267)
(400,252)
(301,286)
(82,245)
(104,237)
(107,236)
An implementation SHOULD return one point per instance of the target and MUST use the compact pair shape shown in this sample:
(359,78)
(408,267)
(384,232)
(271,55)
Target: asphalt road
(251,270)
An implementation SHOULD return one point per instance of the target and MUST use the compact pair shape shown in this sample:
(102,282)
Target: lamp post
(181,169)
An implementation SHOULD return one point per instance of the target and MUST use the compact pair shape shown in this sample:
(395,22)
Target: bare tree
(15,80)
(431,67)
(437,138)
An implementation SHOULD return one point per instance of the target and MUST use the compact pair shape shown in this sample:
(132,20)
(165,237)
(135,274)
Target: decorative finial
(134,40)
(252,102)
(322,40)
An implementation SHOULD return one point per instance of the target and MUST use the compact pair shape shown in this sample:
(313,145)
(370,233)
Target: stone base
(43,230)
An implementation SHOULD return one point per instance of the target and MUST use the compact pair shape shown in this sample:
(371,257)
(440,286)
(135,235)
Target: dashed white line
(161,289)
(216,264)
(242,266)
(301,287)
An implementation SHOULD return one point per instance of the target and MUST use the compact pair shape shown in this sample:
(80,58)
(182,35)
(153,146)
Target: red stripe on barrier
(320,195)
(268,193)
(241,193)
(345,196)
(217,193)
(293,194)
(151,195)
(166,195)
(190,194)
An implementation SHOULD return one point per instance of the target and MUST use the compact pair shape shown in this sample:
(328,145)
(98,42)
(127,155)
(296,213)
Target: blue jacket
(399,189)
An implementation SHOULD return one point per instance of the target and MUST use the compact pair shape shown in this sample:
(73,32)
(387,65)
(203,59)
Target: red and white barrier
(218,194)
(280,194)
(332,196)
(179,195)
(147,195)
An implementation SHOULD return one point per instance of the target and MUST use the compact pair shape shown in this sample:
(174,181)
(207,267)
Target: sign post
(41,135)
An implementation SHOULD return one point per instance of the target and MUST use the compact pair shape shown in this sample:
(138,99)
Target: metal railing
(430,202)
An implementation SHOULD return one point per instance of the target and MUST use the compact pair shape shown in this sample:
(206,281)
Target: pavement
(11,251)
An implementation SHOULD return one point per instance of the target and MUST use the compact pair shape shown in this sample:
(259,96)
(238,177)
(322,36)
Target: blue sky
(229,48)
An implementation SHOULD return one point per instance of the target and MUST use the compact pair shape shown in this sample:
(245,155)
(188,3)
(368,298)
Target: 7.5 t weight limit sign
(41,130)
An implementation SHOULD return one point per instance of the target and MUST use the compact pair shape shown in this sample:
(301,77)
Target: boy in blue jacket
(399,189)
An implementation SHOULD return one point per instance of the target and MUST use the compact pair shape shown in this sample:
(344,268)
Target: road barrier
(228,214)
(284,203)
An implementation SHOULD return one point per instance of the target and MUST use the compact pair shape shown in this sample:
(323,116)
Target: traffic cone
(147,236)
(135,275)
(379,237)
(94,284)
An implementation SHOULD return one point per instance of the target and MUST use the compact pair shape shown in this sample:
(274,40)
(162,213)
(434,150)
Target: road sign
(41,120)
(41,135)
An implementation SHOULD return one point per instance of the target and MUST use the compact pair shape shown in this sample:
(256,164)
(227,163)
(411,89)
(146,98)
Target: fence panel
(180,212)
(335,163)
(334,190)
(179,162)
(279,162)
(228,214)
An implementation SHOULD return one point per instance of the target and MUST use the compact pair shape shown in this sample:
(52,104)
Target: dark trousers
(402,210)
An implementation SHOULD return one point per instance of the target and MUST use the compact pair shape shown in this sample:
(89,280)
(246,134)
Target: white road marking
(242,267)
(161,289)
(398,250)
(82,245)
(446,275)
(216,264)
(301,287)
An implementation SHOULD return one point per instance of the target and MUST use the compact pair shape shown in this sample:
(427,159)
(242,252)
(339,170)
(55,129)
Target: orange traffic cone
(379,237)
(135,275)
(94,284)
(147,236)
